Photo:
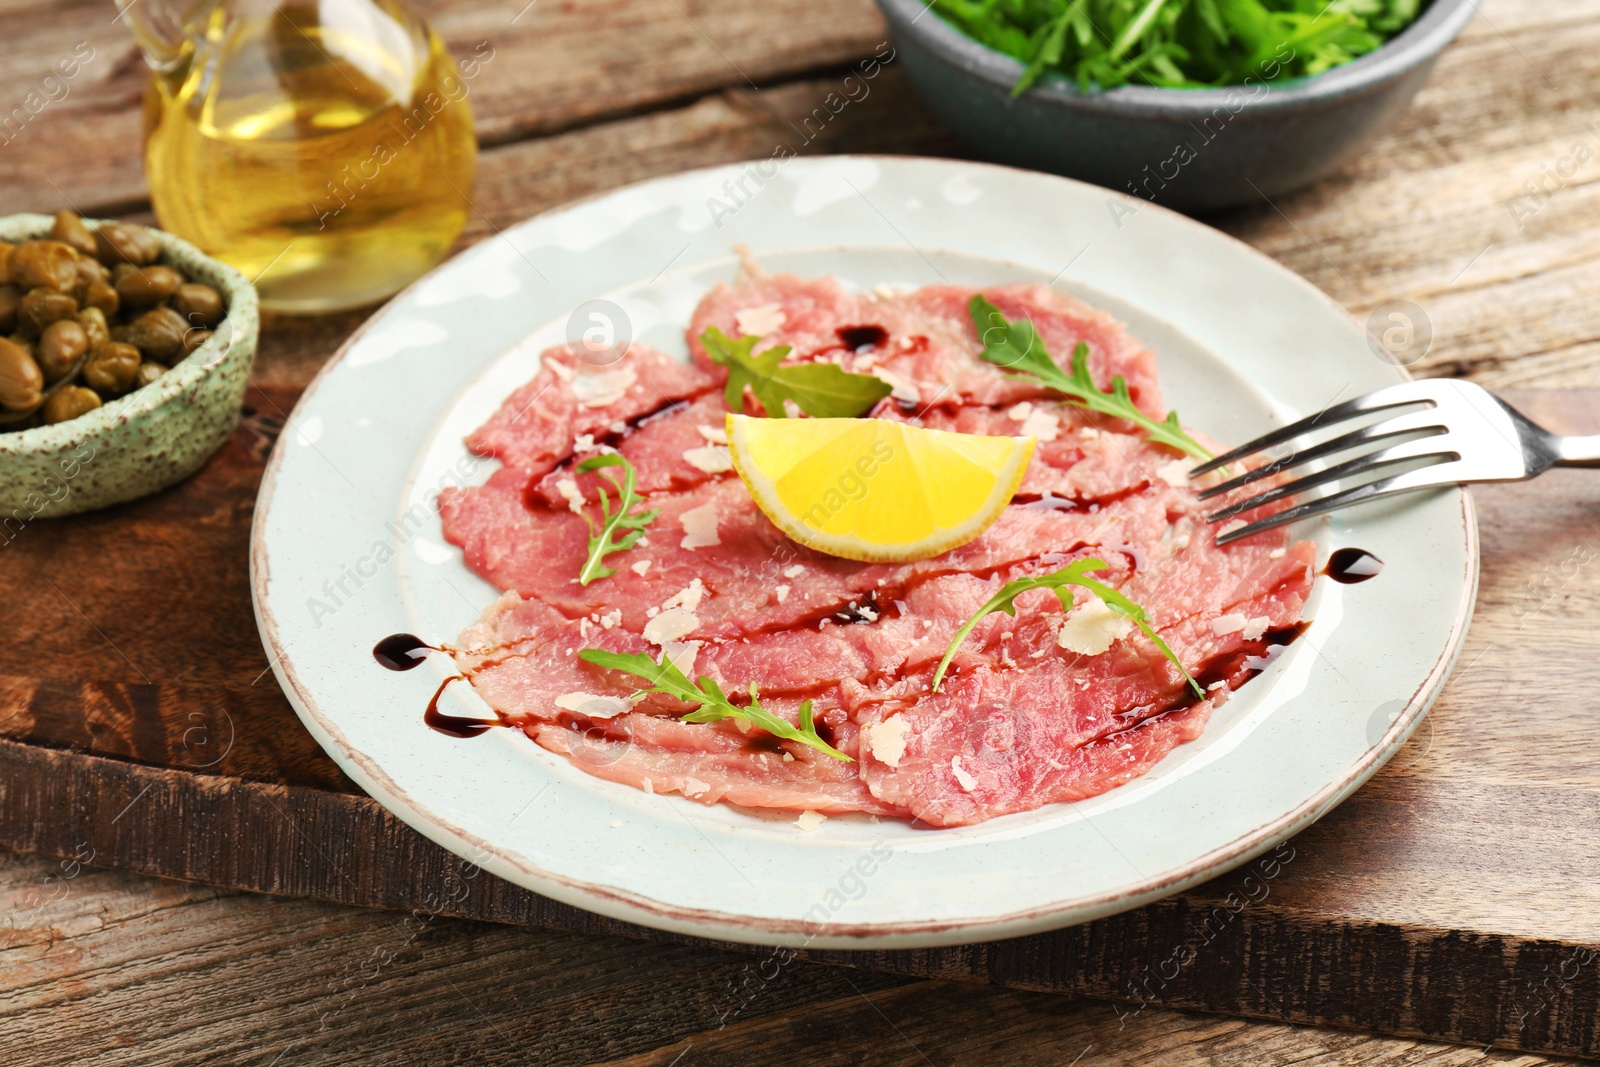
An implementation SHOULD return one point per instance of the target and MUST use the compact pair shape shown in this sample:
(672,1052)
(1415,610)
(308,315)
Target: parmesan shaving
(963,779)
(568,488)
(1092,627)
(700,527)
(673,625)
(899,388)
(712,459)
(1045,425)
(887,740)
(604,388)
(715,434)
(1175,474)
(688,597)
(760,320)
(592,706)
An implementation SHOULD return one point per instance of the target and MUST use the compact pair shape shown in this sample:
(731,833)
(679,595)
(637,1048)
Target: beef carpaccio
(1020,722)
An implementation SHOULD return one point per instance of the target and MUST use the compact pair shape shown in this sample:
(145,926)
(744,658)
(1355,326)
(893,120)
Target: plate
(347,549)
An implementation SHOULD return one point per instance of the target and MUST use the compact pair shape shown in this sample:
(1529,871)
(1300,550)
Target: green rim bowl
(1191,149)
(143,442)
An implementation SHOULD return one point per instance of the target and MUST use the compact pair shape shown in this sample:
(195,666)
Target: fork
(1456,432)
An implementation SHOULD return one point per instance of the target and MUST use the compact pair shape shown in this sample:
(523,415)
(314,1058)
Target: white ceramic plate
(1243,345)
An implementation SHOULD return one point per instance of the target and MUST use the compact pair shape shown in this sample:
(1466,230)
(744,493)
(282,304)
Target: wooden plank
(940,1023)
(100,967)
(1411,909)
(550,66)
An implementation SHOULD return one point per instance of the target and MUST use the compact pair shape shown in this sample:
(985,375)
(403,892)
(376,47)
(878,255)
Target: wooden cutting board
(1456,896)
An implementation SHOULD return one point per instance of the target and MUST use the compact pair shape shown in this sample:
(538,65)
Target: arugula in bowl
(1178,44)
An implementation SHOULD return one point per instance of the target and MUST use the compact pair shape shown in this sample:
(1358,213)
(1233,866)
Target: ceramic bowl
(151,438)
(1191,149)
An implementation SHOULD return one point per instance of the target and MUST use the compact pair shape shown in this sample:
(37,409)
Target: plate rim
(732,926)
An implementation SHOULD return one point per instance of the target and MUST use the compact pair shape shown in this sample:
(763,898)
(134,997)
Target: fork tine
(1392,397)
(1394,427)
(1423,448)
(1411,481)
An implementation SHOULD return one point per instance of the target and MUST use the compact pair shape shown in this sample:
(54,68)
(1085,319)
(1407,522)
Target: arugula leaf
(1057,582)
(630,523)
(821,390)
(665,677)
(1017,347)
(1179,44)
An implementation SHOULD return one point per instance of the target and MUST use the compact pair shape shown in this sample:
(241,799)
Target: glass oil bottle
(324,148)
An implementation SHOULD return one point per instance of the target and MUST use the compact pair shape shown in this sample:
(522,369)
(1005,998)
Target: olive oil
(325,150)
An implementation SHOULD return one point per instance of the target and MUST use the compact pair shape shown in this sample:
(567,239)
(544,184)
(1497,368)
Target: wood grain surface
(1454,897)
(101,968)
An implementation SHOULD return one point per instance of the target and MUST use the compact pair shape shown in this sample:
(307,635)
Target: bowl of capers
(124,357)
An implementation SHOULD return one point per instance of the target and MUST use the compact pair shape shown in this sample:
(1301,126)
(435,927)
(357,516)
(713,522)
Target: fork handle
(1578,451)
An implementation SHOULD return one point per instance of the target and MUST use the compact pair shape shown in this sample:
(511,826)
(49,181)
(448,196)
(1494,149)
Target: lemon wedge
(873,489)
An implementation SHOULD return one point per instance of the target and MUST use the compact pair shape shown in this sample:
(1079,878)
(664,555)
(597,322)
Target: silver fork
(1455,432)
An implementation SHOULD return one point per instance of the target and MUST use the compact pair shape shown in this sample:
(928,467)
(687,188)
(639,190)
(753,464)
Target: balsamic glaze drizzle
(454,725)
(858,337)
(1348,566)
(403,652)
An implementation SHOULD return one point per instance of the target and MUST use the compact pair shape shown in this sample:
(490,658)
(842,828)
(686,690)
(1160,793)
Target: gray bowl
(1190,149)
(153,437)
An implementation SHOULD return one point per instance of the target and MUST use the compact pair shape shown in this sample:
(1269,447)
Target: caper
(90,272)
(200,304)
(41,307)
(69,403)
(44,264)
(124,242)
(112,369)
(142,288)
(70,230)
(148,372)
(95,327)
(21,383)
(194,339)
(103,296)
(10,298)
(158,334)
(60,347)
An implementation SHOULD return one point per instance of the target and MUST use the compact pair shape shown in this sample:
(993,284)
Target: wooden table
(105,966)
